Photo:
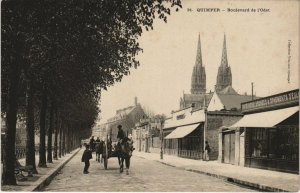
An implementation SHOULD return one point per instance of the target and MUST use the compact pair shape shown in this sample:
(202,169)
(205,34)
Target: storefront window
(259,143)
(273,143)
(288,139)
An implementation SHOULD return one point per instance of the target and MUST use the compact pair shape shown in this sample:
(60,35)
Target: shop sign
(282,99)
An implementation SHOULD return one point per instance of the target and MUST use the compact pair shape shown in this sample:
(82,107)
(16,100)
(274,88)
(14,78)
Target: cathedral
(199,97)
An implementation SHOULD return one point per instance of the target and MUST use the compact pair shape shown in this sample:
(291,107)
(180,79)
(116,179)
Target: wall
(211,135)
(156,142)
(214,121)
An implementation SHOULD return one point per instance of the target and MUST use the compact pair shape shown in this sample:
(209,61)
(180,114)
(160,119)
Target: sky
(262,47)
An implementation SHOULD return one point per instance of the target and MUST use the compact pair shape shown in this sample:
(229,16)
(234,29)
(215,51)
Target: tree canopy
(68,51)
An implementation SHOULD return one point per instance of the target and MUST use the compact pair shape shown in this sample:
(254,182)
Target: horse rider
(121,135)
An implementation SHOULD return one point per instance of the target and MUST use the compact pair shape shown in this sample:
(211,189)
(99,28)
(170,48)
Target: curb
(247,184)
(48,178)
(244,183)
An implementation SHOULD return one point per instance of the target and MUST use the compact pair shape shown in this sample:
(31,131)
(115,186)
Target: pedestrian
(206,151)
(98,140)
(92,143)
(86,156)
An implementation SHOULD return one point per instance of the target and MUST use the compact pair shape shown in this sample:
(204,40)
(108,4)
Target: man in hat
(86,156)
(120,136)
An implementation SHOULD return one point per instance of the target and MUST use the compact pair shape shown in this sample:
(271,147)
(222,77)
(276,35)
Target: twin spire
(224,78)
(224,61)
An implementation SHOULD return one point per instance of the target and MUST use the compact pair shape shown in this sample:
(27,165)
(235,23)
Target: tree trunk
(60,140)
(55,135)
(66,140)
(42,149)
(49,144)
(63,148)
(8,175)
(30,144)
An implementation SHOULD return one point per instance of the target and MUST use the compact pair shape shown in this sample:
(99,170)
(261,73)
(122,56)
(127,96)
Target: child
(86,156)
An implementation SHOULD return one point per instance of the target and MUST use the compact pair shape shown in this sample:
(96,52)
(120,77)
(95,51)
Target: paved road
(144,175)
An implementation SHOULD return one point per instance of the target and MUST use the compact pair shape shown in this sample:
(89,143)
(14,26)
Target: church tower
(224,77)
(198,76)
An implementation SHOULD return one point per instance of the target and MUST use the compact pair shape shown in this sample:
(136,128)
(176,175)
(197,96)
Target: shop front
(186,141)
(275,148)
(183,134)
(266,137)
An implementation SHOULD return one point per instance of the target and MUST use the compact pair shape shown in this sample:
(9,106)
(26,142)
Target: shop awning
(266,119)
(182,131)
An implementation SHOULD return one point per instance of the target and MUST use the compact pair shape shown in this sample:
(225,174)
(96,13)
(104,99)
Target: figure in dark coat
(86,156)
(92,143)
(206,151)
(121,133)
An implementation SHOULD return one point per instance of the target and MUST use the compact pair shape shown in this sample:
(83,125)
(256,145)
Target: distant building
(199,98)
(127,117)
(146,135)
(228,99)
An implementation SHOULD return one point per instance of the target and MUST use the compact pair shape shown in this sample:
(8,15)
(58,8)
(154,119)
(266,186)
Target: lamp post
(161,139)
(204,129)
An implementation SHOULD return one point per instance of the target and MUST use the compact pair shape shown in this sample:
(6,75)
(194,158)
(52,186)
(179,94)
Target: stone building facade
(146,135)
(215,120)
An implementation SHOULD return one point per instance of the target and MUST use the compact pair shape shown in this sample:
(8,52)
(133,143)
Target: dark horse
(124,152)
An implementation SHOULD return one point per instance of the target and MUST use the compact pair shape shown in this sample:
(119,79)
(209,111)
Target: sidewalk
(263,180)
(44,176)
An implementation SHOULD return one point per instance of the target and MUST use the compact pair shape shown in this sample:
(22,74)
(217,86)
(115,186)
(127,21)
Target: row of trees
(57,56)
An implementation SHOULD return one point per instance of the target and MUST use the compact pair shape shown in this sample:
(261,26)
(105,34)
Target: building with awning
(267,136)
(183,133)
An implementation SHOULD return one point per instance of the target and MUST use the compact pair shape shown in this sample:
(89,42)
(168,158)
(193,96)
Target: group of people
(98,144)
(94,143)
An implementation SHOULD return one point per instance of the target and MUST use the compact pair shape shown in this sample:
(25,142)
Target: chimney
(135,101)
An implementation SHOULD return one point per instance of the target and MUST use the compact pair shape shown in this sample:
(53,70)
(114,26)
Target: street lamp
(161,139)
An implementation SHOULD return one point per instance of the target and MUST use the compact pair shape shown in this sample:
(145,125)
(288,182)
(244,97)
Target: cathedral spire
(198,77)
(224,61)
(199,54)
(224,77)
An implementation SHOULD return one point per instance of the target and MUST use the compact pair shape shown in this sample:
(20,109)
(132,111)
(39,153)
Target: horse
(124,152)
(99,151)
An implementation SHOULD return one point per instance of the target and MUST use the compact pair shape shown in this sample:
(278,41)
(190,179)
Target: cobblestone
(144,175)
